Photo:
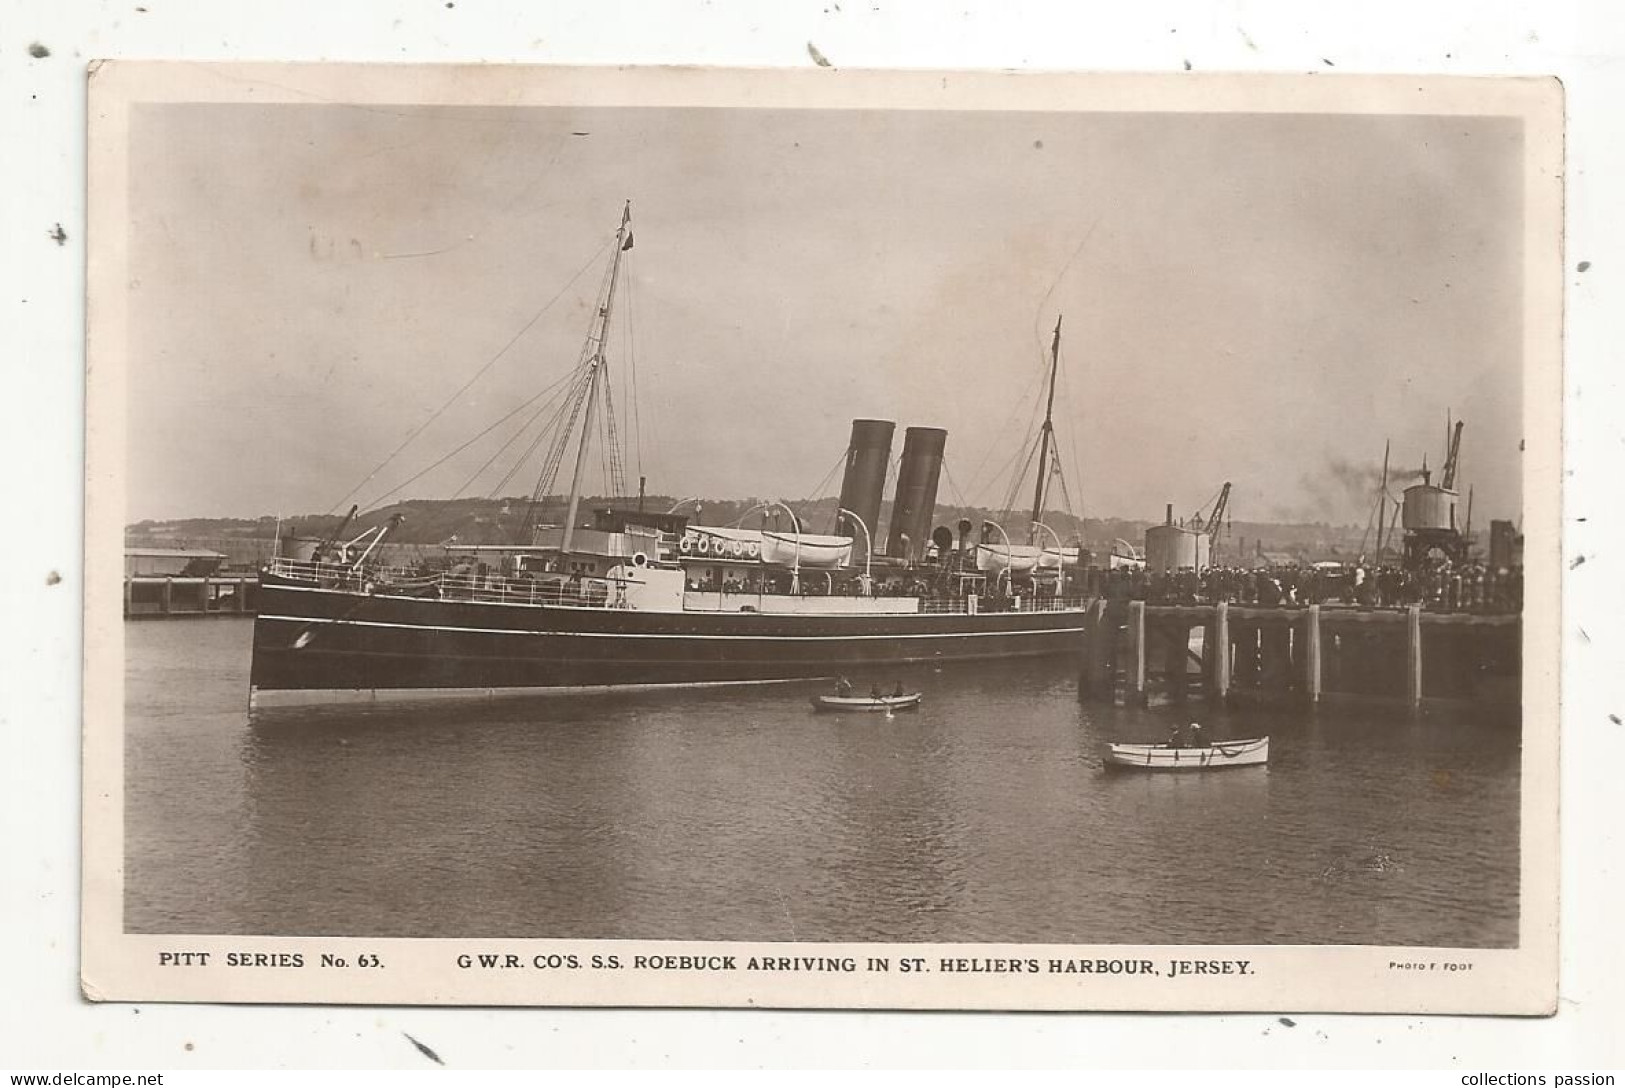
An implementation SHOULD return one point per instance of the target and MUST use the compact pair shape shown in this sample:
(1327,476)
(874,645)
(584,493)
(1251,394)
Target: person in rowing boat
(843,687)
(1196,735)
(1176,737)
(897,691)
(874,692)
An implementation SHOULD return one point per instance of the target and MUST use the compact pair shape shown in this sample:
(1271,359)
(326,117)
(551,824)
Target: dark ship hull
(318,645)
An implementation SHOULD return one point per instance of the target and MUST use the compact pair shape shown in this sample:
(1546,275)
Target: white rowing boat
(1163,757)
(865,703)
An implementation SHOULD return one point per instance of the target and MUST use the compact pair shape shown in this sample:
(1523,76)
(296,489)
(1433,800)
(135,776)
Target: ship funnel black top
(867,457)
(916,500)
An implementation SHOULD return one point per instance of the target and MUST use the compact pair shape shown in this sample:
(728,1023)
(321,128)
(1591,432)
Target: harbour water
(739,814)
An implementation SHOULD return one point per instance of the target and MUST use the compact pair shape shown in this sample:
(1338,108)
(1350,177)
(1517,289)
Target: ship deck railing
(593,592)
(963,606)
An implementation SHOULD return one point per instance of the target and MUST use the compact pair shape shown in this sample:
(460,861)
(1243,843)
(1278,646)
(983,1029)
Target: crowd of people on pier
(1472,586)
(1446,587)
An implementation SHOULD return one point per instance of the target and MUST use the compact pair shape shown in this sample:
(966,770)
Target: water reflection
(986,815)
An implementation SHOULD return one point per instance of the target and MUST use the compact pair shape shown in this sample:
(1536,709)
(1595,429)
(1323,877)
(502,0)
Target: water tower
(1170,547)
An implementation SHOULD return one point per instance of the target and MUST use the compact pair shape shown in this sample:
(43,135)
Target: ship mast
(1382,504)
(1048,430)
(598,337)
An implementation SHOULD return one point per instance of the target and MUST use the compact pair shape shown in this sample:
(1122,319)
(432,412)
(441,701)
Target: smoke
(1345,491)
(1364,479)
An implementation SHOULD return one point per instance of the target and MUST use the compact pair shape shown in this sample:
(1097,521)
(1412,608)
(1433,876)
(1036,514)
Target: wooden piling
(1413,655)
(242,594)
(1105,657)
(129,596)
(1217,650)
(168,599)
(1311,654)
(1136,637)
(1173,659)
(1319,653)
(1089,680)
(203,596)
(1272,664)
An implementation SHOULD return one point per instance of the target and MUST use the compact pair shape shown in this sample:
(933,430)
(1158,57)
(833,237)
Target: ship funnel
(864,485)
(916,499)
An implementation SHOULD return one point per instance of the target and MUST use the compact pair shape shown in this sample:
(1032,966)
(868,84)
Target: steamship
(639,599)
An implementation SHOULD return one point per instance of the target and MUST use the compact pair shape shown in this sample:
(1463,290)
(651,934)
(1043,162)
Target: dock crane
(1216,518)
(1214,521)
(1447,475)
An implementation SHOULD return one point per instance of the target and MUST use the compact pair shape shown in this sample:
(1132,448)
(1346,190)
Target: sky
(1263,299)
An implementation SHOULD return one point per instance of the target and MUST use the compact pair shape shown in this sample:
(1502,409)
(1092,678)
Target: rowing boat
(866,704)
(1163,757)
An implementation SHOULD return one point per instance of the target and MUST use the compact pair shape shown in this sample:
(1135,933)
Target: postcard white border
(120,966)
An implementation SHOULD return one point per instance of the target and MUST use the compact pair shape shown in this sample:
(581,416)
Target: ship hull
(319,645)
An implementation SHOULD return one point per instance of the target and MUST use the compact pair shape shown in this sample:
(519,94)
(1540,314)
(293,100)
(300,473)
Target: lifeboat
(806,550)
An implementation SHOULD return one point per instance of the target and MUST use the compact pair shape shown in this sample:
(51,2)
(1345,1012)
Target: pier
(1232,654)
(174,596)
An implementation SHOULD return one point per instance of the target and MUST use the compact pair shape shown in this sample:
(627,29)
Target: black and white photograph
(837,539)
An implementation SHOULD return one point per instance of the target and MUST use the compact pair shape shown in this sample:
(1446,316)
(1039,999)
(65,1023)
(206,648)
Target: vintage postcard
(822,539)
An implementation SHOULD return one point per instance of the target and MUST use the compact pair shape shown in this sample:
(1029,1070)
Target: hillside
(429,523)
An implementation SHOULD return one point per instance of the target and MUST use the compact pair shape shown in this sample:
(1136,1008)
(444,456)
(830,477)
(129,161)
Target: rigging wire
(822,489)
(438,412)
(1038,326)
(615,471)
(1066,497)
(1369,519)
(612,458)
(972,484)
(1058,470)
(1075,442)
(632,367)
(606,441)
(403,485)
(552,404)
(954,485)
(1038,342)
(576,376)
(888,486)
(1018,481)
(548,429)
(556,450)
(557,435)
(1016,467)
(600,391)
(1201,511)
